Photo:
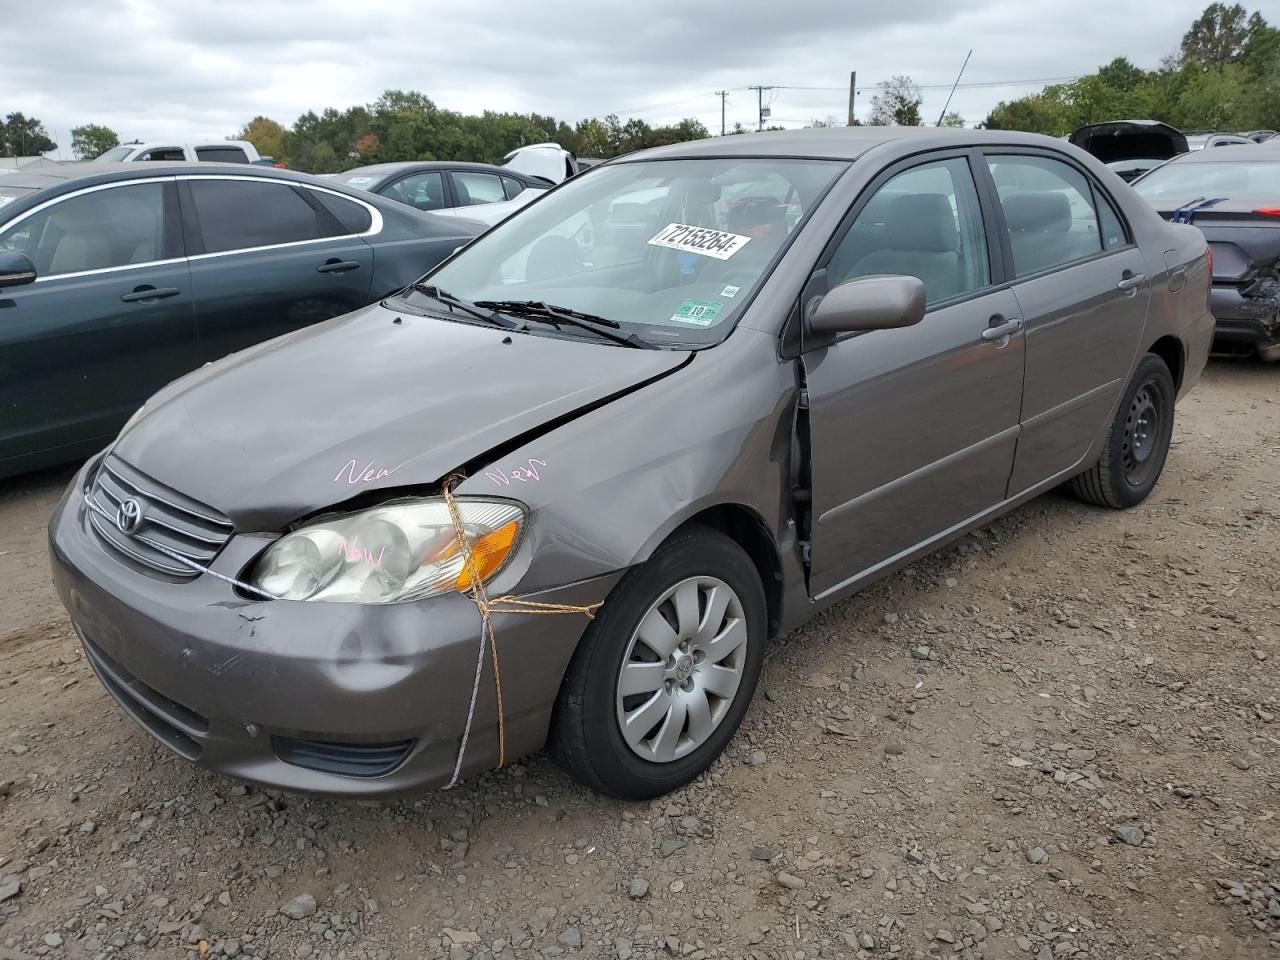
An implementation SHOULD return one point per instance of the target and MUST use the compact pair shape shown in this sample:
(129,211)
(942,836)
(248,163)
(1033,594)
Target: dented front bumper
(335,698)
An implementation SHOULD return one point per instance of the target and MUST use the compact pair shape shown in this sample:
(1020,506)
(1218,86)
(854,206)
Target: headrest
(924,222)
(1040,212)
(755,213)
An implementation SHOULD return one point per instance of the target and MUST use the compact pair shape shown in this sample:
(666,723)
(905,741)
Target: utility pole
(853,90)
(943,115)
(760,107)
(722,94)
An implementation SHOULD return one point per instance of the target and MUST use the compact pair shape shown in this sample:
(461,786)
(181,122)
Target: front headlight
(399,551)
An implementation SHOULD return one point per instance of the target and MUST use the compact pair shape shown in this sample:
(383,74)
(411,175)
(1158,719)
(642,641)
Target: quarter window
(221,154)
(118,227)
(513,187)
(474,188)
(1048,211)
(353,217)
(238,214)
(1109,224)
(925,222)
(422,190)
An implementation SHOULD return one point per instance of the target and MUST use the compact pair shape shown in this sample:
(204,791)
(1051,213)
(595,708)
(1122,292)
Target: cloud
(152,69)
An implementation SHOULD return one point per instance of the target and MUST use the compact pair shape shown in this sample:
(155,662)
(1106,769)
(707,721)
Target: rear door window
(240,214)
(165,154)
(475,188)
(422,190)
(1048,212)
(118,227)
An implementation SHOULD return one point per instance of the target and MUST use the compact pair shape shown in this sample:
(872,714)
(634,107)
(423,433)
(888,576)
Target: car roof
(406,166)
(72,176)
(1239,153)
(837,143)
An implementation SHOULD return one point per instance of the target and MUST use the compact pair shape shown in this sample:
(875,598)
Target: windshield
(115,154)
(670,250)
(1178,183)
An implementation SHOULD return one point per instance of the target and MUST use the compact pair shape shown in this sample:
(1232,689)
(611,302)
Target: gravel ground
(1055,739)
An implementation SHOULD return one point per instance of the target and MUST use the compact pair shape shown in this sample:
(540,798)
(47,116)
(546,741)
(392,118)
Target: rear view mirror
(869,303)
(15,269)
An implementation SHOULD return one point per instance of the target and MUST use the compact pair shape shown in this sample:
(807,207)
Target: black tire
(585,738)
(1136,447)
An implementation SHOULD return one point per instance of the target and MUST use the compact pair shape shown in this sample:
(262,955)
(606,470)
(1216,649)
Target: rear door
(912,431)
(107,322)
(1082,295)
(268,257)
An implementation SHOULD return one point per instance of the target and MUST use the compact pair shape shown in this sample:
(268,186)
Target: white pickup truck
(217,151)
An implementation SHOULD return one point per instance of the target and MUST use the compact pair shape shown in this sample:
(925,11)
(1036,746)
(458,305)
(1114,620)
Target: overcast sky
(159,69)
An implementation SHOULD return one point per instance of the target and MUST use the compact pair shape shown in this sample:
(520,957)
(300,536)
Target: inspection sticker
(730,291)
(700,240)
(700,313)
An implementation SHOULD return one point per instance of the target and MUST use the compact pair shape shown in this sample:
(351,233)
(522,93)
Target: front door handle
(147,294)
(338,266)
(1131,281)
(1001,328)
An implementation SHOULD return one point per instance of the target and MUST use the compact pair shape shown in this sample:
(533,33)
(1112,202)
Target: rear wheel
(1137,443)
(663,676)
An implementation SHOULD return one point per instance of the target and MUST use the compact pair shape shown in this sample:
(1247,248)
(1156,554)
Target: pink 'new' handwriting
(354,474)
(355,553)
(523,474)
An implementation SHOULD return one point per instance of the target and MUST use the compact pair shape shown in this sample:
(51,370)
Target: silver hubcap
(682,669)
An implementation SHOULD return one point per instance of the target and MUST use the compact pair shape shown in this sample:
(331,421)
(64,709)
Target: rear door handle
(1001,328)
(338,266)
(147,294)
(1132,282)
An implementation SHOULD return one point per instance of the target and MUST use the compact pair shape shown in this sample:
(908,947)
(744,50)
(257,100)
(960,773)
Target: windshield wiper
(537,310)
(470,309)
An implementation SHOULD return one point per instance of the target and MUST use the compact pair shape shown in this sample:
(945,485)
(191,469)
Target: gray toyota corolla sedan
(713,388)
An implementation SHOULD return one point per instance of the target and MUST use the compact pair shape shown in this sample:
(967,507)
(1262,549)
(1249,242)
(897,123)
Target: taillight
(1268,212)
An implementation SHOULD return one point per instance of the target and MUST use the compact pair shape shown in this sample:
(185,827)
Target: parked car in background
(714,428)
(1130,147)
(1233,196)
(166,151)
(114,281)
(547,161)
(1259,136)
(477,191)
(1203,141)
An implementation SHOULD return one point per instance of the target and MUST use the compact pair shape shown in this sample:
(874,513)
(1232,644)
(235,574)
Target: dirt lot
(1056,739)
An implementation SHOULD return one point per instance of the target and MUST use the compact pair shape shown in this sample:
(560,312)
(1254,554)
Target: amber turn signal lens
(489,553)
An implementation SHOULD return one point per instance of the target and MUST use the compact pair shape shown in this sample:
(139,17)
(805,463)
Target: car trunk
(1119,141)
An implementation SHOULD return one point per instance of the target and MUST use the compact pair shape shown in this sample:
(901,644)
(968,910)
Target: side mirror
(869,303)
(15,269)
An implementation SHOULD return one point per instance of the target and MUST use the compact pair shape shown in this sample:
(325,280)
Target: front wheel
(662,678)
(1137,443)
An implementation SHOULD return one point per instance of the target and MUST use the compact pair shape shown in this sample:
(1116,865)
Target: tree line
(1225,76)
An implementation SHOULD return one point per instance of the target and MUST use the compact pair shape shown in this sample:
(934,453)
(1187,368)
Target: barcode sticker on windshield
(700,240)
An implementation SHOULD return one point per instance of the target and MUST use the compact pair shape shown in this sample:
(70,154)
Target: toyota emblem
(129,516)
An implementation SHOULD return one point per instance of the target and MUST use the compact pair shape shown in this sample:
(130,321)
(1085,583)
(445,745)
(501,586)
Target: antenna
(943,115)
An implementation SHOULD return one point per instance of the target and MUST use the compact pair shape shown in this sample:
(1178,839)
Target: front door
(912,431)
(1063,236)
(267,258)
(106,324)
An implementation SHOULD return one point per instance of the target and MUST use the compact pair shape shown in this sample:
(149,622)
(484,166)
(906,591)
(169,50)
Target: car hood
(1130,140)
(374,399)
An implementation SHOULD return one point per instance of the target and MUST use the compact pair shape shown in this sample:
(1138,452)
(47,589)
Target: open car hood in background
(1118,140)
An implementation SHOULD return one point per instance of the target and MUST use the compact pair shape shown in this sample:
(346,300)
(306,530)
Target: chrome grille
(170,526)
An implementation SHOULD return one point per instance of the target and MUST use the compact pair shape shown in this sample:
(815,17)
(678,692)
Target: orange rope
(487,607)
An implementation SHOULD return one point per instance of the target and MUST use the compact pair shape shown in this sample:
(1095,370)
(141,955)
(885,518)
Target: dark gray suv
(115,279)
